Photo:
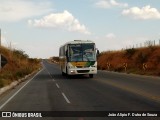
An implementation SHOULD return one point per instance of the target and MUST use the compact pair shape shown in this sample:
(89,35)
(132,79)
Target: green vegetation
(139,61)
(18,66)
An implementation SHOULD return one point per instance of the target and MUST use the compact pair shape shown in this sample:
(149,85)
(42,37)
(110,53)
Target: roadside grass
(144,61)
(19,65)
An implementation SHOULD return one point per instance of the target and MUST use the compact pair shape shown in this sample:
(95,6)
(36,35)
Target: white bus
(78,57)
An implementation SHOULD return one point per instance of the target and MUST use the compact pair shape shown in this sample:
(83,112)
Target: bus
(78,57)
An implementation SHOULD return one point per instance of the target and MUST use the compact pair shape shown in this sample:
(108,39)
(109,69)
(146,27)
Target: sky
(40,27)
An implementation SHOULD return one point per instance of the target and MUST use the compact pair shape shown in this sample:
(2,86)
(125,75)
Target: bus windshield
(82,52)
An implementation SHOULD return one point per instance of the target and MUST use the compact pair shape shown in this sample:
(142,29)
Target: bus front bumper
(82,71)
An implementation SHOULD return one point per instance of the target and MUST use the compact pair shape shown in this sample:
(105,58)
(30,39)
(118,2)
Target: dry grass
(17,67)
(135,58)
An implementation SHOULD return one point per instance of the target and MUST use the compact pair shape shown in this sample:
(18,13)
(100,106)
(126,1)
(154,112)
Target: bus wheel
(66,71)
(63,74)
(91,75)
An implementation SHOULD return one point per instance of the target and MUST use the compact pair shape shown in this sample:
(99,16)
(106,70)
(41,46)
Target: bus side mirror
(98,52)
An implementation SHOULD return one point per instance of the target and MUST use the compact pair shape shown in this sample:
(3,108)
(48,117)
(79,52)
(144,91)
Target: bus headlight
(72,71)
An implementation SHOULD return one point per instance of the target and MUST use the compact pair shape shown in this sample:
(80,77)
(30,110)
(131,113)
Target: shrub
(17,67)
(135,58)
(130,52)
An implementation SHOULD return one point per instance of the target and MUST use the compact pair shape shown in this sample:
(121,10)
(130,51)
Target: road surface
(48,90)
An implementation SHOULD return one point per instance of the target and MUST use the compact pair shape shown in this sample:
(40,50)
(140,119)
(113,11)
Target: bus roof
(78,42)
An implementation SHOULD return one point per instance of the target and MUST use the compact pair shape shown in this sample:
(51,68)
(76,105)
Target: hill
(18,66)
(135,60)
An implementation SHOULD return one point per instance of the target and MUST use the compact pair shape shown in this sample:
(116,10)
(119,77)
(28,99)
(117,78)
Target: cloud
(110,4)
(15,10)
(143,13)
(110,36)
(63,20)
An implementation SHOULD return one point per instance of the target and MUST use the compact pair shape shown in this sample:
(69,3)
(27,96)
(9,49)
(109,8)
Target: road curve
(48,90)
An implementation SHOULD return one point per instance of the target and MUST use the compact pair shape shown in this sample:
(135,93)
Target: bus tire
(66,71)
(63,74)
(91,75)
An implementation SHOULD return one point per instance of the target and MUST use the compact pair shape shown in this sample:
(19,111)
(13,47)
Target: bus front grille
(82,71)
(81,66)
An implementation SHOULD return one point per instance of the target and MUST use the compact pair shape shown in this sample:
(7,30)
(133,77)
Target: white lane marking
(18,91)
(57,85)
(48,73)
(66,98)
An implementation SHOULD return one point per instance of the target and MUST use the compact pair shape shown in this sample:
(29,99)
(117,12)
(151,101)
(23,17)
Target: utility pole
(0,37)
(0,62)
(0,48)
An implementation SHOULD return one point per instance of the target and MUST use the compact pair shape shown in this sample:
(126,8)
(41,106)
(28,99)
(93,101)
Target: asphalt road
(48,90)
